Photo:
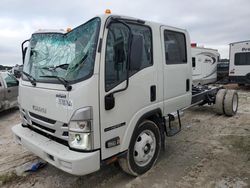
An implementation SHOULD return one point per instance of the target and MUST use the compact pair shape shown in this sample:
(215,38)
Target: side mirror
(136,52)
(24,49)
(109,101)
(24,53)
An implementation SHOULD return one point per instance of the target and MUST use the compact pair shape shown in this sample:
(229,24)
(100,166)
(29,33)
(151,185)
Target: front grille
(43,127)
(48,126)
(65,133)
(65,125)
(47,120)
(59,140)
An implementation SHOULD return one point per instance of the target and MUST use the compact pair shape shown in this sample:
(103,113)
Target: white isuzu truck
(108,90)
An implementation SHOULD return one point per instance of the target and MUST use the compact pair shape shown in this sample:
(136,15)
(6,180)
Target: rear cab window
(175,47)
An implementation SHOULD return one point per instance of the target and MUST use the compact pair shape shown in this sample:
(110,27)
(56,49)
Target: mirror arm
(22,47)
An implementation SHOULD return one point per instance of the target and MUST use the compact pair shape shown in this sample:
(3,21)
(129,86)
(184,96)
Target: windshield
(70,56)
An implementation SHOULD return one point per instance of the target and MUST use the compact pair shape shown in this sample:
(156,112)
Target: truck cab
(102,91)
(8,91)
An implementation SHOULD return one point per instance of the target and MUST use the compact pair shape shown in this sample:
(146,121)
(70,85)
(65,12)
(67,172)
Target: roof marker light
(68,29)
(107,11)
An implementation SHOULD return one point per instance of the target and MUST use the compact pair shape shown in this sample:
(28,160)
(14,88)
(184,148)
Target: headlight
(80,130)
(82,141)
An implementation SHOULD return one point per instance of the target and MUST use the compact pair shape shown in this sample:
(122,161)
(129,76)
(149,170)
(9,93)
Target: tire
(219,101)
(144,149)
(231,103)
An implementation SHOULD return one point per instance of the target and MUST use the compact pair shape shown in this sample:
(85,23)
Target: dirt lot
(211,151)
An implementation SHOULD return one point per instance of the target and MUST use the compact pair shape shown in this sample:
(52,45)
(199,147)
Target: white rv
(239,63)
(106,91)
(204,63)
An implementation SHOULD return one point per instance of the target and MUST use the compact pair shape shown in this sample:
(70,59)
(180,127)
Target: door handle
(8,91)
(187,85)
(152,93)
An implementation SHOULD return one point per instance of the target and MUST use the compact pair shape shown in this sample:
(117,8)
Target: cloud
(210,23)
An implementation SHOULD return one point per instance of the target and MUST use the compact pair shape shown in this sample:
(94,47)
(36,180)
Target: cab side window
(117,51)
(10,81)
(175,47)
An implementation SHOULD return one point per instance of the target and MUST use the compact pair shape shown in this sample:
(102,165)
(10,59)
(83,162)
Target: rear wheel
(219,101)
(231,103)
(143,150)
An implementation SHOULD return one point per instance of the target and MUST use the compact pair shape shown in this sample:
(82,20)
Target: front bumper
(77,163)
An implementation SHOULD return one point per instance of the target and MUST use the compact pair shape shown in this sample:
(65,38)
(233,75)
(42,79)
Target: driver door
(113,74)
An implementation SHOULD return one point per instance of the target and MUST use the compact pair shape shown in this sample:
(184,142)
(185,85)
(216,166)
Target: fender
(136,120)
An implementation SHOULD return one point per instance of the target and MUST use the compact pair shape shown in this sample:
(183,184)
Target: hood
(52,103)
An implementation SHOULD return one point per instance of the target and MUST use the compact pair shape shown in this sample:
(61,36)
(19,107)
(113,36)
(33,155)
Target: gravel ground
(210,151)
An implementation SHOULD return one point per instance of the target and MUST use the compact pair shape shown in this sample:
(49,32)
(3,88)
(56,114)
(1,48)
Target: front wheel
(143,150)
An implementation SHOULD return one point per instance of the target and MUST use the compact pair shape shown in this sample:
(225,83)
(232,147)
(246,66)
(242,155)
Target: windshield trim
(55,81)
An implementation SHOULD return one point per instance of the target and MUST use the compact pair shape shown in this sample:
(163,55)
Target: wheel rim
(235,103)
(145,147)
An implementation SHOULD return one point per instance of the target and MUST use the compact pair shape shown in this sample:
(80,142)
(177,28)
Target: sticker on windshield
(64,103)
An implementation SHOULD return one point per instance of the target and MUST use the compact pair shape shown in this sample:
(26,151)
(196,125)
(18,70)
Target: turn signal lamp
(107,11)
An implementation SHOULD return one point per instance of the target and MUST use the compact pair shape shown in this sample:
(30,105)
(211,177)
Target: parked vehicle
(17,70)
(204,63)
(222,70)
(8,91)
(108,90)
(239,63)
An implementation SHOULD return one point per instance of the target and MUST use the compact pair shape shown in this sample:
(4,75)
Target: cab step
(172,129)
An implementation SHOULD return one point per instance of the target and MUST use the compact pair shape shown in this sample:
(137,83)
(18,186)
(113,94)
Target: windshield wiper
(64,82)
(63,66)
(30,78)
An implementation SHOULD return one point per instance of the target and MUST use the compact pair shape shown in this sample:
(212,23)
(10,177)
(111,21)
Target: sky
(210,23)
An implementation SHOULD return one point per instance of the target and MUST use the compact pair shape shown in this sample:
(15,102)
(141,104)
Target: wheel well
(153,115)
(156,117)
